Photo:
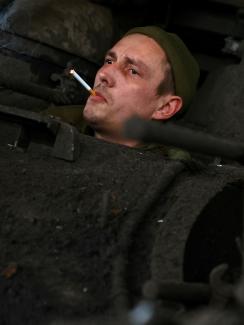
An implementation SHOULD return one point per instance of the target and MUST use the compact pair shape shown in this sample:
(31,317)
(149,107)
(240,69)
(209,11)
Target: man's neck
(118,140)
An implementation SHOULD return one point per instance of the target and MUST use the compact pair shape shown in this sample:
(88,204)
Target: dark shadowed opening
(213,238)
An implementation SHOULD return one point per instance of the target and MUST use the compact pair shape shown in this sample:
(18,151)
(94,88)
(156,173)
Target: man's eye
(133,71)
(108,61)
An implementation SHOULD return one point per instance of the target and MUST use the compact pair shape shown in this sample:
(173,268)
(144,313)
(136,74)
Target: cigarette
(81,81)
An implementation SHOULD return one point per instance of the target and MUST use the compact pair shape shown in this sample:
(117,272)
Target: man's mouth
(98,96)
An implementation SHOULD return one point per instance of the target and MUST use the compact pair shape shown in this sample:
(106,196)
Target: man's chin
(89,112)
(91,117)
(95,112)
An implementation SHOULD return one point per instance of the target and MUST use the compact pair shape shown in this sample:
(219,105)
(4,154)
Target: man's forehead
(138,46)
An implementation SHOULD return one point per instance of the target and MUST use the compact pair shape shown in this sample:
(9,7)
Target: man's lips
(98,96)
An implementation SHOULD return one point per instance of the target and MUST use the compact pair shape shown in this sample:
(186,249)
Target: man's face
(126,85)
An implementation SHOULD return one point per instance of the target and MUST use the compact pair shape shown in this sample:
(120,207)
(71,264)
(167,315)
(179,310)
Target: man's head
(141,75)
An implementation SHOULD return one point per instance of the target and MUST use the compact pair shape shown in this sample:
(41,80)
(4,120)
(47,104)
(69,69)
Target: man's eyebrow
(111,53)
(136,62)
(129,60)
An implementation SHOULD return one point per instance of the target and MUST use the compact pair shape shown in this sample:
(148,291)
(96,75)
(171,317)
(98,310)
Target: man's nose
(107,75)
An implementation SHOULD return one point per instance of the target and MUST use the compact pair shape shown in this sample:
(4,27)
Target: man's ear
(168,108)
